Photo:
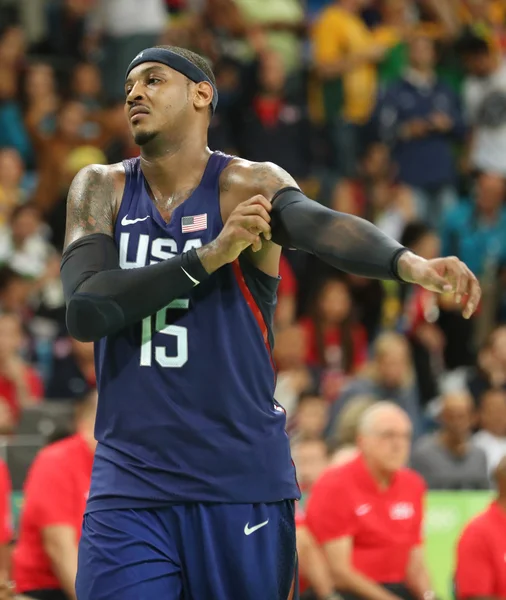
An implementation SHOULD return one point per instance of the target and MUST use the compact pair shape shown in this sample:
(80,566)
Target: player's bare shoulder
(242,179)
(93,201)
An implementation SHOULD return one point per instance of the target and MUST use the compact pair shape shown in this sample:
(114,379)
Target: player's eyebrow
(145,71)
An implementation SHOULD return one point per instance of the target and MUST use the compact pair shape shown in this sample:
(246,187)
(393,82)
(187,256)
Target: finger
(259,199)
(461,278)
(256,224)
(474,291)
(437,283)
(257,244)
(256,209)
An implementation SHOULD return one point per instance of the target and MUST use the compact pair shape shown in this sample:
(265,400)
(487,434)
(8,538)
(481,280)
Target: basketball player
(171,267)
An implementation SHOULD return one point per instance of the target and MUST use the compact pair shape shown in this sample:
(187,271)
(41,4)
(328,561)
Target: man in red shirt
(367,514)
(481,553)
(55,494)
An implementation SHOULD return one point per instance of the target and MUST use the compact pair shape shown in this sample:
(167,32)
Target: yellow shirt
(337,34)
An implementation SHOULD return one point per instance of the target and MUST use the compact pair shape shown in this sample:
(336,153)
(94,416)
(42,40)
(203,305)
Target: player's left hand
(443,275)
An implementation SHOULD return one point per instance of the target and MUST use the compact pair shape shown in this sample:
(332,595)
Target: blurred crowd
(392,110)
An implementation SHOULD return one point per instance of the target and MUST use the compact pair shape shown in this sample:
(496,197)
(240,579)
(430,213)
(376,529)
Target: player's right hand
(247,223)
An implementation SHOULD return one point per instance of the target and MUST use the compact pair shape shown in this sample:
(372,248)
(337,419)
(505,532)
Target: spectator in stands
(20,384)
(294,377)
(14,291)
(311,459)
(475,231)
(376,195)
(314,574)
(367,514)
(282,24)
(273,128)
(492,421)
(447,459)
(11,174)
(346,55)
(86,86)
(41,101)
(67,29)
(490,371)
(419,116)
(334,339)
(389,376)
(12,129)
(23,245)
(124,31)
(310,417)
(481,552)
(345,431)
(73,372)
(55,494)
(485,104)
(419,319)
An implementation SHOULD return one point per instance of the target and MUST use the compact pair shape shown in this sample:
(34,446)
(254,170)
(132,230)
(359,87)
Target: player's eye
(153,80)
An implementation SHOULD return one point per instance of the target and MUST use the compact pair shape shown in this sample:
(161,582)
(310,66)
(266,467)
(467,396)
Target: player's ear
(203,94)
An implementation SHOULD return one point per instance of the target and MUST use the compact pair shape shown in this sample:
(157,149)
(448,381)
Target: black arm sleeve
(102,298)
(346,242)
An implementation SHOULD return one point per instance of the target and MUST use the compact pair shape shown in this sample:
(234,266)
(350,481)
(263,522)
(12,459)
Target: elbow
(89,319)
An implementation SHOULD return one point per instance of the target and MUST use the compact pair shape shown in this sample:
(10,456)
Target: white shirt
(120,18)
(493,446)
(485,108)
(29,260)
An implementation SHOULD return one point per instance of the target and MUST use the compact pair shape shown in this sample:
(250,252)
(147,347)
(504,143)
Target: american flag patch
(194,223)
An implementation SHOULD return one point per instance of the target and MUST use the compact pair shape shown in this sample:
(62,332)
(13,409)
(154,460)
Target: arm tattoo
(90,203)
(268,178)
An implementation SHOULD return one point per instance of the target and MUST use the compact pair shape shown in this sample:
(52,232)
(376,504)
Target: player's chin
(143,136)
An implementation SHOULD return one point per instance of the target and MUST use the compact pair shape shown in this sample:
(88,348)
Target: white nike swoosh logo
(125,221)
(249,530)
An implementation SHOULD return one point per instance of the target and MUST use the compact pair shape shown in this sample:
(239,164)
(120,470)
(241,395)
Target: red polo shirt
(481,556)
(385,524)
(55,493)
(6,533)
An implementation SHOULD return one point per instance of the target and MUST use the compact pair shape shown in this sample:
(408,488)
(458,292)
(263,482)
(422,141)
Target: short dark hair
(414,232)
(471,44)
(194,58)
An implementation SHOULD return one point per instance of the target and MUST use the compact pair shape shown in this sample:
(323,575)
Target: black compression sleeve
(344,241)
(102,298)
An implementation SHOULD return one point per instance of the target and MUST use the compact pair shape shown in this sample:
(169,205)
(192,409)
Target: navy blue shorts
(189,552)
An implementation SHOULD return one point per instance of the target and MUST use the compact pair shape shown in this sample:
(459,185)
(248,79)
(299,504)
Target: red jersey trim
(257,313)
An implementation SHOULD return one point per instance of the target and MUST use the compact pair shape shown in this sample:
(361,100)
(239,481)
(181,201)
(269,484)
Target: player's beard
(144,137)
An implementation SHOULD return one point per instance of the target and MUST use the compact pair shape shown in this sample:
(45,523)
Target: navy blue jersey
(186,410)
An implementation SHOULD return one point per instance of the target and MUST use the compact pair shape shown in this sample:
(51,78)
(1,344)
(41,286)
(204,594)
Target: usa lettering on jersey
(149,251)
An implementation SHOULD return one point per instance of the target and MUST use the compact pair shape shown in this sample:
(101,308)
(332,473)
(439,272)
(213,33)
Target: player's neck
(172,169)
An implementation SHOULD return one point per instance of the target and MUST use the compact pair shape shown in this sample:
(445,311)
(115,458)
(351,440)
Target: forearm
(418,582)
(346,242)
(23,394)
(64,563)
(341,66)
(102,298)
(361,586)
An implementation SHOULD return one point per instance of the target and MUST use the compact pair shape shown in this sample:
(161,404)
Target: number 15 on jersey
(159,353)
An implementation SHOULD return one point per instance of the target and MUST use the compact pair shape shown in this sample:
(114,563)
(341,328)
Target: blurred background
(393,110)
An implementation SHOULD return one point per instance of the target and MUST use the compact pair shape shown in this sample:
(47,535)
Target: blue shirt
(425,162)
(472,239)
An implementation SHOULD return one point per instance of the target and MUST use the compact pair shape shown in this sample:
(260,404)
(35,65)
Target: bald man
(448,460)
(481,552)
(367,514)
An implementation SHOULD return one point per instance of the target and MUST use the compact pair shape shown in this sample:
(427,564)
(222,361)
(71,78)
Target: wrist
(405,264)
(210,257)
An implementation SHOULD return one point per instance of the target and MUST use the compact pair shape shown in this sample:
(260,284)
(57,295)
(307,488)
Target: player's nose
(135,94)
